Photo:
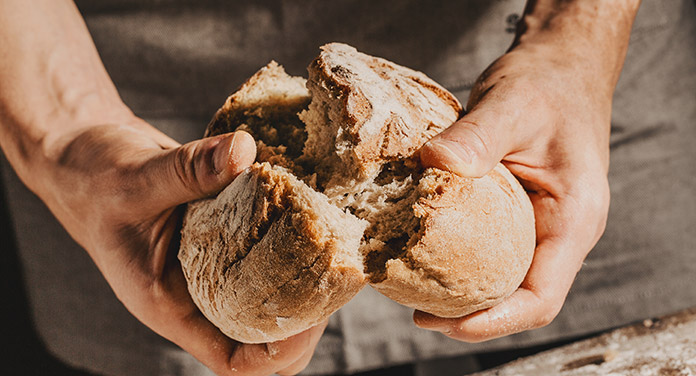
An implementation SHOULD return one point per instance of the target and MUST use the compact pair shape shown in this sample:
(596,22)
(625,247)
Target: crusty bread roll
(338,199)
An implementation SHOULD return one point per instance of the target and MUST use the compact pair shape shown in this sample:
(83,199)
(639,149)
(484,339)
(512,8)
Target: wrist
(590,36)
(34,139)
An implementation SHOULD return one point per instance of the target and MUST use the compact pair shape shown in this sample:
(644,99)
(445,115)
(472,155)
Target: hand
(549,124)
(544,110)
(118,189)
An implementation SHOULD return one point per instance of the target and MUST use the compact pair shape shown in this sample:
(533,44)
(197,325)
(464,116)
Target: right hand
(544,110)
(119,191)
(546,120)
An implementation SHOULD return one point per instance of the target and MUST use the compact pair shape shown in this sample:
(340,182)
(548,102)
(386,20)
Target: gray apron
(174,63)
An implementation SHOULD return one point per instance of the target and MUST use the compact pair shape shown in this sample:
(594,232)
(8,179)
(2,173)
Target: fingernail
(445,329)
(428,321)
(452,155)
(221,155)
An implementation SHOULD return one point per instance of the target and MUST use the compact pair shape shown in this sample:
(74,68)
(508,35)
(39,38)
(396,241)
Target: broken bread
(270,257)
(338,199)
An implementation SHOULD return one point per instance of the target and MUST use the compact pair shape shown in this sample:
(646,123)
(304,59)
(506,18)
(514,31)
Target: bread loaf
(337,199)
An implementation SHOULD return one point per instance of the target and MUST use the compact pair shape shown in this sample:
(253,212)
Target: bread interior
(331,225)
(267,107)
(302,133)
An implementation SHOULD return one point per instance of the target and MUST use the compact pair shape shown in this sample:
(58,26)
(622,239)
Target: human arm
(115,182)
(544,109)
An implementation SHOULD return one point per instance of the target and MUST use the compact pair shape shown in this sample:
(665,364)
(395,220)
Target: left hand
(118,189)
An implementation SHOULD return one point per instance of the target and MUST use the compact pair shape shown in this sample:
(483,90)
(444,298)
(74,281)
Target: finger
(269,358)
(303,361)
(196,335)
(566,231)
(510,316)
(474,144)
(535,304)
(166,306)
(179,320)
(195,170)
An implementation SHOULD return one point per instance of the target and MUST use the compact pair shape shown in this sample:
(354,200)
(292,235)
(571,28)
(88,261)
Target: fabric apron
(174,62)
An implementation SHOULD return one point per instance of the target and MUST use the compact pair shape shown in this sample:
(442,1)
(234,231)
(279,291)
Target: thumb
(470,147)
(199,168)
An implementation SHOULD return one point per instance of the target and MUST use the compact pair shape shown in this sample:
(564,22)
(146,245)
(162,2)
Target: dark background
(22,352)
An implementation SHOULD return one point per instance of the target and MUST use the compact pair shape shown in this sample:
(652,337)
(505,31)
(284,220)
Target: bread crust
(270,94)
(386,111)
(473,249)
(261,261)
(270,257)
(476,237)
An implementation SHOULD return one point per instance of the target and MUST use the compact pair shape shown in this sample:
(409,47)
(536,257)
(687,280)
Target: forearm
(566,58)
(592,35)
(544,110)
(53,82)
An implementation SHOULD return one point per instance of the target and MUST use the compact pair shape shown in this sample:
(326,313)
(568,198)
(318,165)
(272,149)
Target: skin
(116,183)
(544,110)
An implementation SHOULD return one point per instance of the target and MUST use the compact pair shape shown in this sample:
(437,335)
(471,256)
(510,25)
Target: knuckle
(545,319)
(279,356)
(593,197)
(547,314)
(185,168)
(477,139)
(588,197)
(478,142)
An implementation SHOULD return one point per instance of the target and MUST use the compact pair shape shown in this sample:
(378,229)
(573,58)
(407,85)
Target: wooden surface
(664,347)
